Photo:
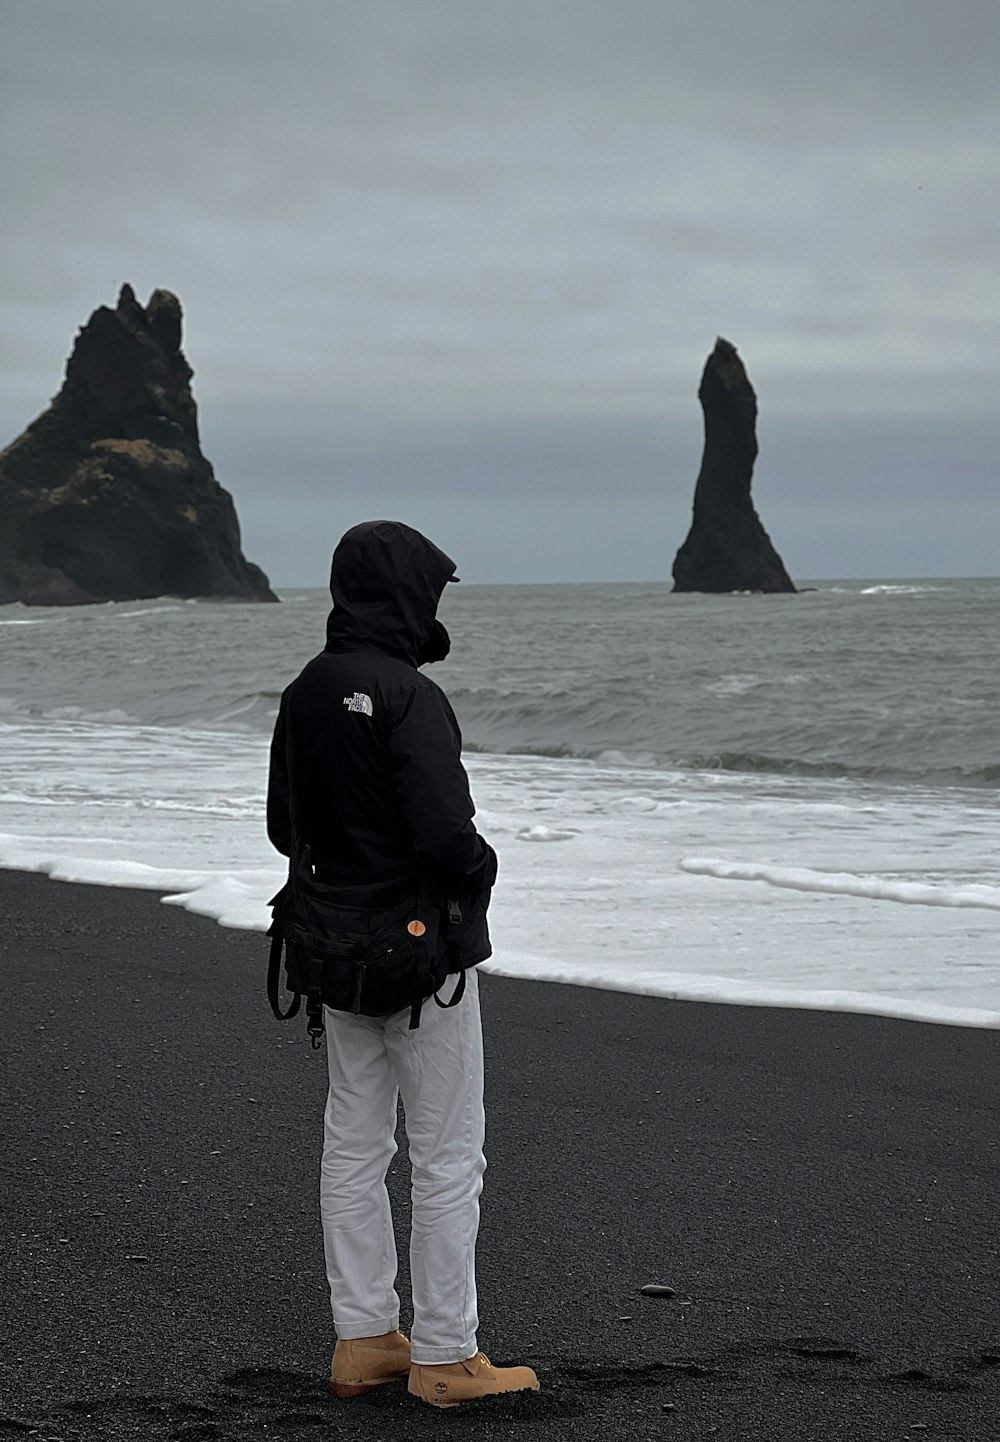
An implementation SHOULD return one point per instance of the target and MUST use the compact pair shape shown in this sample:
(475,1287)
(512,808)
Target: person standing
(381,799)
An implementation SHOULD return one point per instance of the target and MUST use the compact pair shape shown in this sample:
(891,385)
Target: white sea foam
(626,758)
(896,589)
(735,685)
(739,683)
(845,883)
(131,613)
(544,833)
(28,620)
(724,990)
(628,900)
(115,716)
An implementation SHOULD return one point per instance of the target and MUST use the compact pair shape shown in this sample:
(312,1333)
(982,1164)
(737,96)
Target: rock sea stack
(727,548)
(107,496)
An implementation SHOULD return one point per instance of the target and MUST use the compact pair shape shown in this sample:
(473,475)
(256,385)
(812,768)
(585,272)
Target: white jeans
(438,1071)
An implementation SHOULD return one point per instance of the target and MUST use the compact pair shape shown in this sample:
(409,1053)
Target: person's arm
(425,748)
(279,815)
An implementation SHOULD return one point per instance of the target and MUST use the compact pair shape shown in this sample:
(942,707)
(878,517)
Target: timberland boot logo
(440,1388)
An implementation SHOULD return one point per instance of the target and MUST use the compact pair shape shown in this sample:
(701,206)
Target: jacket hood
(386,581)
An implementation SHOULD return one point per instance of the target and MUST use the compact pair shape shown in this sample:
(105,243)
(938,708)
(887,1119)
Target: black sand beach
(820,1190)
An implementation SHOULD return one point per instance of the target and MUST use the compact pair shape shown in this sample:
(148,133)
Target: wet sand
(820,1191)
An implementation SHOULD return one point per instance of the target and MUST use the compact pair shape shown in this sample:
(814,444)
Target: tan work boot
(361,1363)
(452,1383)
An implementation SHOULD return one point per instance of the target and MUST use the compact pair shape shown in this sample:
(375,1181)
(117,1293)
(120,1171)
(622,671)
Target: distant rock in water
(107,496)
(727,548)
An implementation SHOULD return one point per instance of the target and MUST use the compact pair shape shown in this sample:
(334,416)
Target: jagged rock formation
(727,548)
(107,496)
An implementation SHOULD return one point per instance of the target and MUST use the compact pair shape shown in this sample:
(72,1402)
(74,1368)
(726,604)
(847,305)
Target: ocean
(777,800)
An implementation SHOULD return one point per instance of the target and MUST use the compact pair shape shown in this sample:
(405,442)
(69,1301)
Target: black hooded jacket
(366,749)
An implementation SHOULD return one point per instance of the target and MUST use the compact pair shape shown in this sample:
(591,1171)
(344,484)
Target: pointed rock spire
(107,496)
(727,548)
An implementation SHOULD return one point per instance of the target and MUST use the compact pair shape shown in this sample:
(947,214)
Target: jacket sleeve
(425,747)
(279,816)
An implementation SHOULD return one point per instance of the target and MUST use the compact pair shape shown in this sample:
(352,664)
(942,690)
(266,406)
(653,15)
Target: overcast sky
(462,262)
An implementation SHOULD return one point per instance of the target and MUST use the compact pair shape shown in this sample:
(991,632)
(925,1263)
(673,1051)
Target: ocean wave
(121,614)
(739,683)
(252,711)
(847,883)
(13,711)
(752,763)
(29,620)
(115,716)
(759,763)
(897,589)
(251,714)
(564,751)
(616,676)
(183,812)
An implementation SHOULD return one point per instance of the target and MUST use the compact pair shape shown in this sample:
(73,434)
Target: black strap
(423,974)
(314,1017)
(298,860)
(453,912)
(314,1003)
(359,972)
(456,995)
(274,976)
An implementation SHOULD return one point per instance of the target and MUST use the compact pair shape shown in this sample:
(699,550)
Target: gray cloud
(515,226)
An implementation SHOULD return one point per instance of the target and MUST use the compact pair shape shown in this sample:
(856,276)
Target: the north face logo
(359,702)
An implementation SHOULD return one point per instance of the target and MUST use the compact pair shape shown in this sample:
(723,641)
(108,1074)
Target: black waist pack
(371,962)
